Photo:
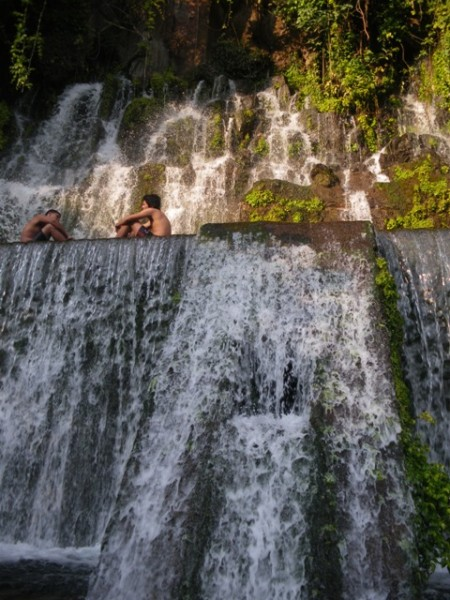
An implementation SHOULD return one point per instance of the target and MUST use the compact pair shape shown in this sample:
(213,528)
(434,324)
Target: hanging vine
(25,46)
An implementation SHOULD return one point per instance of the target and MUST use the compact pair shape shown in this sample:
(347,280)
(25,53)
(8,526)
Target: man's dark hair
(53,210)
(152,200)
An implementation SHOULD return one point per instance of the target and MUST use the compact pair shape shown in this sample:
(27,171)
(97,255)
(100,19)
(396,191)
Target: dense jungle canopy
(345,55)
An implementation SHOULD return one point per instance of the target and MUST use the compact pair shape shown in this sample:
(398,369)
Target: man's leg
(123,231)
(51,231)
(135,229)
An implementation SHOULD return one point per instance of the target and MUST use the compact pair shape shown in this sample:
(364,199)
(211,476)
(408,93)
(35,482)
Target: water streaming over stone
(79,329)
(420,263)
(75,163)
(221,422)
(225,404)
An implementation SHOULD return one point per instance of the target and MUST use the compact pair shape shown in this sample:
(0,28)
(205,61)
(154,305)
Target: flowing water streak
(57,157)
(198,184)
(283,150)
(421,119)
(81,324)
(219,493)
(420,262)
(357,206)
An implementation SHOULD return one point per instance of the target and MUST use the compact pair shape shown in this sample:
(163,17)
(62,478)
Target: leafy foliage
(241,62)
(356,53)
(23,48)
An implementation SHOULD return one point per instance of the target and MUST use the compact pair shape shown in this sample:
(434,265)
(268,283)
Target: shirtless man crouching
(43,227)
(149,221)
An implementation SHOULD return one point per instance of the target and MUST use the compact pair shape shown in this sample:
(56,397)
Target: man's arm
(60,228)
(129,219)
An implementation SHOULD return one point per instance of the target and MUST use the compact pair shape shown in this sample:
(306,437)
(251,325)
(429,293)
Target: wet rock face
(408,147)
(324,176)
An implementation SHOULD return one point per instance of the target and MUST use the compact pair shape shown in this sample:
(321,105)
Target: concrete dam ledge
(349,235)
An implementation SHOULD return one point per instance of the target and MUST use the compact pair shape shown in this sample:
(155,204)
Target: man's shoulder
(39,218)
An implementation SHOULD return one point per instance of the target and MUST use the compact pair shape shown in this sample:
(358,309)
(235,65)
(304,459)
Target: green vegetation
(429,482)
(216,134)
(435,71)
(268,206)
(139,112)
(166,84)
(261,146)
(356,53)
(24,47)
(241,62)
(109,95)
(153,9)
(427,184)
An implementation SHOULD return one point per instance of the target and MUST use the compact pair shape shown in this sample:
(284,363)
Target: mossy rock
(151,179)
(323,175)
(417,195)
(215,132)
(108,97)
(278,200)
(180,141)
(141,113)
(245,123)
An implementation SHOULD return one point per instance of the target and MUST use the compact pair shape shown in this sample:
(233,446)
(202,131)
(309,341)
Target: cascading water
(77,337)
(57,157)
(75,163)
(221,421)
(217,414)
(419,261)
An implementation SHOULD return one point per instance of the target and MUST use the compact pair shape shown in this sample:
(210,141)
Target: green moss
(368,126)
(138,113)
(246,122)
(430,485)
(216,137)
(109,95)
(295,149)
(268,206)
(261,147)
(179,141)
(427,184)
(151,178)
(166,83)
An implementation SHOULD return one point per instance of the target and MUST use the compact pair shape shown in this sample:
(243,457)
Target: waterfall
(419,261)
(215,412)
(74,161)
(56,157)
(79,330)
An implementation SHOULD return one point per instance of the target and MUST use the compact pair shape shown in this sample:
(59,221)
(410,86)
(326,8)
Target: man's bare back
(149,221)
(43,227)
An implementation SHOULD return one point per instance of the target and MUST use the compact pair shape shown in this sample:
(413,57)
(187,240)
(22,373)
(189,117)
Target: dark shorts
(40,237)
(144,232)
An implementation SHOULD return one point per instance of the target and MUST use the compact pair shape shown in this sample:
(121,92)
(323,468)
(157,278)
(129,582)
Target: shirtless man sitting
(43,227)
(149,221)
